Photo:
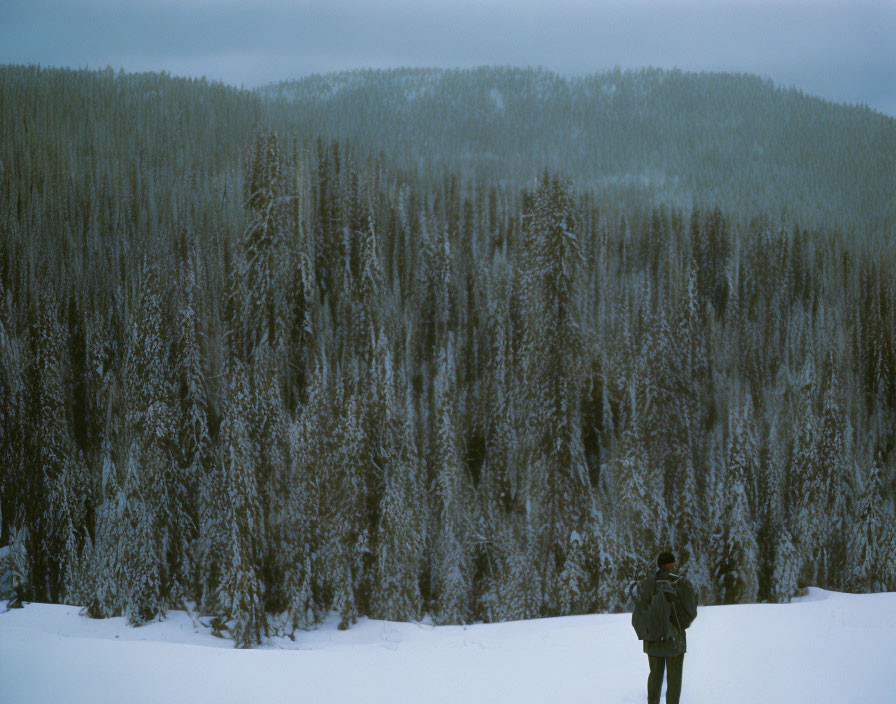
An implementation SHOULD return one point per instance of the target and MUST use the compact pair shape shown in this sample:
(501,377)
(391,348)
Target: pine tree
(13,423)
(560,490)
(688,519)
(369,285)
(771,511)
(240,594)
(399,558)
(576,590)
(143,597)
(735,568)
(659,403)
(500,483)
(194,444)
(19,565)
(873,541)
(809,519)
(262,242)
(267,427)
(66,485)
(212,538)
(348,533)
(149,432)
(100,588)
(451,569)
(785,579)
(69,496)
(434,285)
(295,541)
(835,483)
(305,569)
(640,509)
(519,591)
(603,549)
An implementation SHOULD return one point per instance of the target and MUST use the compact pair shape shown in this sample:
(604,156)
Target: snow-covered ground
(823,648)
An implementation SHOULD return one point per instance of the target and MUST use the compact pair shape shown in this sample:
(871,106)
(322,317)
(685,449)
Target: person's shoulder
(680,580)
(685,589)
(645,586)
(648,581)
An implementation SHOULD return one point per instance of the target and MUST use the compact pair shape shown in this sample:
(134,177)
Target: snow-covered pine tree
(500,482)
(559,488)
(735,563)
(263,256)
(141,581)
(639,506)
(240,593)
(836,482)
(785,578)
(348,532)
(695,380)
(295,540)
(306,569)
(518,589)
(433,285)
(70,494)
(368,287)
(576,583)
(873,541)
(13,421)
(211,540)
(99,587)
(193,448)
(636,512)
(19,565)
(300,318)
(806,493)
(400,535)
(267,427)
(771,511)
(602,546)
(499,491)
(451,569)
(121,573)
(149,435)
(379,424)
(658,401)
(688,521)
(52,449)
(66,485)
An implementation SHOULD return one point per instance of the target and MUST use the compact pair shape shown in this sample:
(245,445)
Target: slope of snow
(824,648)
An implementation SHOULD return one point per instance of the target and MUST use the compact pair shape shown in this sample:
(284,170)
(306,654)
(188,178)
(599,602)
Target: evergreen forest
(460,345)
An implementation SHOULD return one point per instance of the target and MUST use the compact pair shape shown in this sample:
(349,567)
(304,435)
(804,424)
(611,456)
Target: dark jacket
(683,612)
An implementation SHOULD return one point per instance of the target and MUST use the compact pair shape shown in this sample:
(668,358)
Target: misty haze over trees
(472,344)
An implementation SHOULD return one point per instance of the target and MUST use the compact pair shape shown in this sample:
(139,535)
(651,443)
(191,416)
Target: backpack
(653,621)
(652,616)
(685,603)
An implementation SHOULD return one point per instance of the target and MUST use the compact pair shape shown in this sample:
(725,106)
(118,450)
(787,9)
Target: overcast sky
(839,50)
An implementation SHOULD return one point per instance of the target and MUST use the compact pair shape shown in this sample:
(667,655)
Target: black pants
(673,679)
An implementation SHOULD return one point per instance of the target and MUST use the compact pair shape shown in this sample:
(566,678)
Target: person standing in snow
(665,605)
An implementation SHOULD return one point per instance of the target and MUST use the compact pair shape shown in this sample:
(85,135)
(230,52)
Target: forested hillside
(271,376)
(728,140)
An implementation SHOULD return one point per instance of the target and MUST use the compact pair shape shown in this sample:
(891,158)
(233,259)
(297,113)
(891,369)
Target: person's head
(666,560)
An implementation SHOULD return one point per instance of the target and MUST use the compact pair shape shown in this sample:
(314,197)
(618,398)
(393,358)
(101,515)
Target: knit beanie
(665,558)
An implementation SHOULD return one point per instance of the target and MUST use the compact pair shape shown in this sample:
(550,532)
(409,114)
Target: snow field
(824,648)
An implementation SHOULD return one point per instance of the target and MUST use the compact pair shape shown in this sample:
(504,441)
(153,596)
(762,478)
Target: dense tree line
(260,377)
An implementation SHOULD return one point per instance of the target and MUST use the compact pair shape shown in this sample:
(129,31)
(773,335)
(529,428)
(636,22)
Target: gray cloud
(837,50)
